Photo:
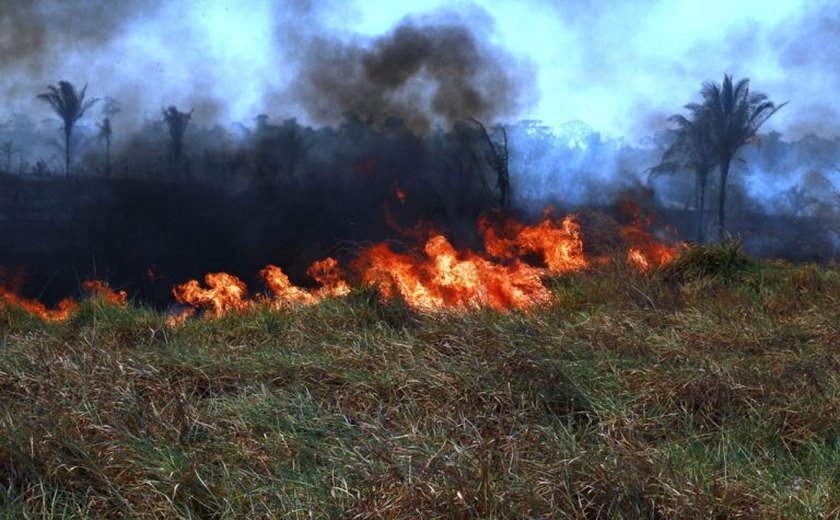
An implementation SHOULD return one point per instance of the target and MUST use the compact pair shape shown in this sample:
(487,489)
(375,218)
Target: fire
(444,278)
(645,252)
(506,273)
(326,272)
(102,290)
(559,244)
(637,258)
(401,196)
(65,308)
(282,289)
(224,293)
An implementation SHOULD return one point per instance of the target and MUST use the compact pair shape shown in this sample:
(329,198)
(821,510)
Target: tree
(110,109)
(497,156)
(693,147)
(732,116)
(177,122)
(7,151)
(105,132)
(70,106)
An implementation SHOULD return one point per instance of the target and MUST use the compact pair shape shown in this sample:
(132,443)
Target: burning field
(529,377)
(299,269)
(432,275)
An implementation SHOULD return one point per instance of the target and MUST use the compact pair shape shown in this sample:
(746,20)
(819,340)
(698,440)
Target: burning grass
(628,394)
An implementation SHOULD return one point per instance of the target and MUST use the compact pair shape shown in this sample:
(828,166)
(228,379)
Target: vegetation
(70,106)
(693,147)
(709,390)
(177,123)
(110,109)
(106,133)
(728,118)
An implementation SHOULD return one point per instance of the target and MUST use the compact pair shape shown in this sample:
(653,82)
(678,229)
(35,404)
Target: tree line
(706,139)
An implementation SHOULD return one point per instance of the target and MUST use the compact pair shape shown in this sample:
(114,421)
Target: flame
(443,278)
(401,196)
(645,252)
(559,244)
(281,288)
(433,277)
(637,257)
(224,293)
(327,273)
(102,290)
(63,310)
(506,273)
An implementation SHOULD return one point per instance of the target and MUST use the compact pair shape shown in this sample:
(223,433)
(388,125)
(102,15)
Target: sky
(622,67)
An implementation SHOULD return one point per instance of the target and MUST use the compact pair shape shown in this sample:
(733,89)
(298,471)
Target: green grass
(710,389)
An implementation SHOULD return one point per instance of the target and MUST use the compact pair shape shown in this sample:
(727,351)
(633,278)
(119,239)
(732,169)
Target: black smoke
(424,71)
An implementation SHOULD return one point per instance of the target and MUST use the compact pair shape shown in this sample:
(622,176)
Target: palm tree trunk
(66,152)
(702,177)
(724,173)
(108,158)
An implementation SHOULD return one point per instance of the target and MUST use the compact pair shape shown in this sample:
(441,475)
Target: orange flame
(102,290)
(224,293)
(434,277)
(65,307)
(326,272)
(644,252)
(281,287)
(443,278)
(559,244)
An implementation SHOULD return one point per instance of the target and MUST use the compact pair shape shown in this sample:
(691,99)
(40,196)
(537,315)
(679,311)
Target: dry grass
(708,390)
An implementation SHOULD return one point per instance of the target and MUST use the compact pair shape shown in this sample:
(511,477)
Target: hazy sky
(621,66)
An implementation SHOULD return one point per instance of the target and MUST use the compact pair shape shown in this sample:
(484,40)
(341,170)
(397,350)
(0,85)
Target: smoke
(291,58)
(621,68)
(424,71)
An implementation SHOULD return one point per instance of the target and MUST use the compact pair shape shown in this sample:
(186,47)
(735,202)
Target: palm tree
(177,122)
(110,108)
(732,116)
(105,132)
(70,107)
(693,148)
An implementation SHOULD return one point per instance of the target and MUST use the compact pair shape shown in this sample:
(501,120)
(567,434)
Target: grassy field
(710,389)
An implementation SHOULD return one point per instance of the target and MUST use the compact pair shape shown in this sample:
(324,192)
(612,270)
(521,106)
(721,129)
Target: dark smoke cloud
(424,71)
(34,33)
(205,55)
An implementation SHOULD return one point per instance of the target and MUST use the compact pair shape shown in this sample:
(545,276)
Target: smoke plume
(424,72)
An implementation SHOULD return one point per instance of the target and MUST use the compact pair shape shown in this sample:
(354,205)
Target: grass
(709,389)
